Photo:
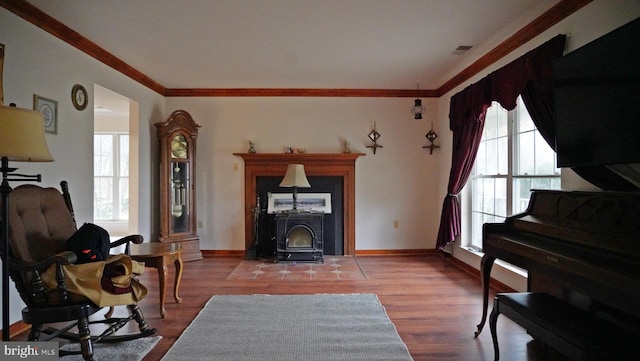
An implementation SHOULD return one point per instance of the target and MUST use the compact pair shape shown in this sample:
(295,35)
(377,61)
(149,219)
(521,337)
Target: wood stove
(299,237)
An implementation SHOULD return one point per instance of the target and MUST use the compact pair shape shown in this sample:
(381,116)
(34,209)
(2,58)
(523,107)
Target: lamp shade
(22,135)
(295,177)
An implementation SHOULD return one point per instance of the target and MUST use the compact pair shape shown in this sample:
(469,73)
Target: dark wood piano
(582,247)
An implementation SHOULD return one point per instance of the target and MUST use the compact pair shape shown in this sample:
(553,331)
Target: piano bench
(576,334)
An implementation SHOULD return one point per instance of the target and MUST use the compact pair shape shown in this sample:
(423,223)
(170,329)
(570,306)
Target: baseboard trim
(18,328)
(370,252)
(394,252)
(222,253)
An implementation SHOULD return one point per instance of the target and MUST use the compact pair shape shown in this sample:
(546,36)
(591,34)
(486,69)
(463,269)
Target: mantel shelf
(304,158)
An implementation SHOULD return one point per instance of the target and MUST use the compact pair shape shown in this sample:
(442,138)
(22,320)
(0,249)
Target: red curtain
(467,113)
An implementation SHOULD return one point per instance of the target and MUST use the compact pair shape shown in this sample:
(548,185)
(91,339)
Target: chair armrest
(63,258)
(133,238)
(38,296)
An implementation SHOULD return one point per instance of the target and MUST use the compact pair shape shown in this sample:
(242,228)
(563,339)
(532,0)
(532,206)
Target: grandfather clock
(178,219)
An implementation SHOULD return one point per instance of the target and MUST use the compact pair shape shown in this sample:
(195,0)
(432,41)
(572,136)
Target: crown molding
(47,23)
(299,92)
(543,22)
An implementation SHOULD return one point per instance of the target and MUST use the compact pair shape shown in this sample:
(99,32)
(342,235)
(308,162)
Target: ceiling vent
(462,49)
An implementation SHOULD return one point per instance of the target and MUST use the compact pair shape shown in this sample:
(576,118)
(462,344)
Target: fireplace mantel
(315,164)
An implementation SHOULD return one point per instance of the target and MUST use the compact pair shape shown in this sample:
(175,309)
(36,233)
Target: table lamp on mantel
(295,177)
(21,140)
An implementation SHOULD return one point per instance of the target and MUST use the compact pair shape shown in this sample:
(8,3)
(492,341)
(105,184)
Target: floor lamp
(295,177)
(21,140)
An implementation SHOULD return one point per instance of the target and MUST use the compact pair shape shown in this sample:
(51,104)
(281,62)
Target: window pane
(500,196)
(481,160)
(545,157)
(503,120)
(111,171)
(476,197)
(488,195)
(521,194)
(543,183)
(102,155)
(124,199)
(492,156)
(503,155)
(103,198)
(526,154)
(525,123)
(477,229)
(490,130)
(124,155)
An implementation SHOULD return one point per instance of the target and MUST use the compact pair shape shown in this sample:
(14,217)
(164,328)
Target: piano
(582,247)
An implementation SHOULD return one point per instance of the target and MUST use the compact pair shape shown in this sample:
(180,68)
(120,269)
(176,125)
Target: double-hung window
(512,159)
(111,176)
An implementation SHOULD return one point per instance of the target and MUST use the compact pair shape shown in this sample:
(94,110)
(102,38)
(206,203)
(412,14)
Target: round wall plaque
(79,97)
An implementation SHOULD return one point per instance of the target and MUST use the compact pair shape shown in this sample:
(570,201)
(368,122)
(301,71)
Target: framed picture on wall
(308,202)
(49,109)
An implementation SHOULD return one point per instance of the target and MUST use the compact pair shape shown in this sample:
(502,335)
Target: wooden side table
(159,255)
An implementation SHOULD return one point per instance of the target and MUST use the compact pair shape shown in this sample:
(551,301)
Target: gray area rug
(133,350)
(291,327)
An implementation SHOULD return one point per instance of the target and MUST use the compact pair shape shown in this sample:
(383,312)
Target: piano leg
(485,276)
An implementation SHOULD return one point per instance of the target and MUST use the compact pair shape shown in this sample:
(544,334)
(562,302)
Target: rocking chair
(40,222)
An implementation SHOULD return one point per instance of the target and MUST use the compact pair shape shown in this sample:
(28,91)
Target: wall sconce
(417,109)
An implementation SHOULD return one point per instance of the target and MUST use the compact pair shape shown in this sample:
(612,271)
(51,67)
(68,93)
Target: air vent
(462,49)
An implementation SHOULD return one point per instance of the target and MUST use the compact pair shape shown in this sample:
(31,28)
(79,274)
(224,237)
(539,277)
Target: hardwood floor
(434,305)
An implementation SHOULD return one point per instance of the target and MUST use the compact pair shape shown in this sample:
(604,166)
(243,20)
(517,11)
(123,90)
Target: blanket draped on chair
(105,283)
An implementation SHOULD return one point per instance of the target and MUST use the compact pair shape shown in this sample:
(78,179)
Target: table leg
(178,263)
(162,275)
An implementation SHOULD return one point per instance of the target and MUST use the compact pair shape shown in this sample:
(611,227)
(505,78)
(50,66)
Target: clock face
(179,147)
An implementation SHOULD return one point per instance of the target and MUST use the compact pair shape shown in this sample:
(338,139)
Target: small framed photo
(49,109)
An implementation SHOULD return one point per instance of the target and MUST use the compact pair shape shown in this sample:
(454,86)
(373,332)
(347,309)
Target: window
(111,176)
(512,159)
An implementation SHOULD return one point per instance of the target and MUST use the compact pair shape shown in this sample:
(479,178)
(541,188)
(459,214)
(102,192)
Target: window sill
(506,273)
(520,271)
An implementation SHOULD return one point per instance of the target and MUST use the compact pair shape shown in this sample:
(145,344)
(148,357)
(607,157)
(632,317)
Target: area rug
(134,350)
(334,268)
(322,327)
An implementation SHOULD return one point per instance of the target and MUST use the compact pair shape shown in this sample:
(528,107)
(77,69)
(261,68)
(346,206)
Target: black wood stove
(299,237)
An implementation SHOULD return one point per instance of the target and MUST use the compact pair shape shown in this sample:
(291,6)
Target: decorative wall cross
(431,136)
(374,136)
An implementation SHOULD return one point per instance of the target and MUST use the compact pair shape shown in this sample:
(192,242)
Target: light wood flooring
(434,305)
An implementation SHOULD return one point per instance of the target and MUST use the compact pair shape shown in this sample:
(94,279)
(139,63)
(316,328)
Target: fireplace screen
(299,237)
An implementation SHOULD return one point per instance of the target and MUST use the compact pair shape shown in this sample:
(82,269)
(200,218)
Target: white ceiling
(351,44)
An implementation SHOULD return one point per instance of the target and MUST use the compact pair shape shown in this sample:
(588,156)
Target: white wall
(38,63)
(398,183)
(582,27)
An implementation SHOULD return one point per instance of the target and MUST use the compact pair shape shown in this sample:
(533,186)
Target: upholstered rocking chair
(41,220)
